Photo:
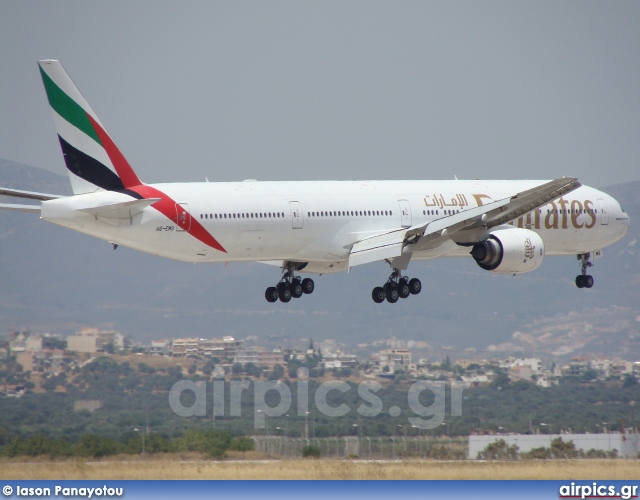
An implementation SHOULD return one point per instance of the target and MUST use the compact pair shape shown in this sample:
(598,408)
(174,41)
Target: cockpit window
(623,210)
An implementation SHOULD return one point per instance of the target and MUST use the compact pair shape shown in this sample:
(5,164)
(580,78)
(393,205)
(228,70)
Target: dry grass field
(170,467)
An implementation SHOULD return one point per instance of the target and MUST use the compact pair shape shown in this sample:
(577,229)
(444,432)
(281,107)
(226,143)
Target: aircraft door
(405,213)
(183,217)
(604,219)
(297,219)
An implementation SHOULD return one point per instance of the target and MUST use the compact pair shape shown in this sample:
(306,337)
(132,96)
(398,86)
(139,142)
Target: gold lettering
(576,210)
(537,218)
(563,210)
(528,222)
(588,205)
(520,222)
(548,224)
(479,198)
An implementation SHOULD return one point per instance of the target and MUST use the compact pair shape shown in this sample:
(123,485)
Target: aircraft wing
(393,244)
(532,199)
(20,208)
(28,194)
(390,244)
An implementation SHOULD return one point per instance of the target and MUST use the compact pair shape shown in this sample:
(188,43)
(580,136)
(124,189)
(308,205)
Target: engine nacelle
(510,251)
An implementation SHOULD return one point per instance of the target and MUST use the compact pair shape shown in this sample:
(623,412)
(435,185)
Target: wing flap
(379,247)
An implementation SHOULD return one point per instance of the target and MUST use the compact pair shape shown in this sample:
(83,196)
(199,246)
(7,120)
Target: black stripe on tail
(89,169)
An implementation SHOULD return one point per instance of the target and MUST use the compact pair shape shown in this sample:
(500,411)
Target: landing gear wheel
(415,286)
(403,289)
(391,291)
(271,294)
(588,281)
(284,292)
(584,280)
(308,285)
(296,289)
(378,295)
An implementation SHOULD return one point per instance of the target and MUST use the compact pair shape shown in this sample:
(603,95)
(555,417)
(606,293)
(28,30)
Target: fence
(366,448)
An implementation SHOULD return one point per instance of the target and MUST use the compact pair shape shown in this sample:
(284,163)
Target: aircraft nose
(626,221)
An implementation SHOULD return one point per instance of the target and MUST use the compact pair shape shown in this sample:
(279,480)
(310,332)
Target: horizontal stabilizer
(20,208)
(115,212)
(31,195)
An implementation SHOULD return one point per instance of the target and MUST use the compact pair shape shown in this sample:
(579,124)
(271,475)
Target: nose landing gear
(396,287)
(584,280)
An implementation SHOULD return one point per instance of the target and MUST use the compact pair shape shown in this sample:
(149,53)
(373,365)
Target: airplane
(317,227)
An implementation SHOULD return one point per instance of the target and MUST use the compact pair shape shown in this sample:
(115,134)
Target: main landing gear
(396,287)
(584,280)
(290,286)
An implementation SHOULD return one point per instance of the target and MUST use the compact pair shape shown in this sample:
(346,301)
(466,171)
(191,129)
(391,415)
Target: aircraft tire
(308,286)
(271,294)
(296,290)
(391,291)
(588,281)
(580,281)
(403,290)
(415,286)
(378,295)
(284,293)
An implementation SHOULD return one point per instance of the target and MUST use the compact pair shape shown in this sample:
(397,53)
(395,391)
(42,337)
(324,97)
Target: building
(92,340)
(270,358)
(520,372)
(396,358)
(185,347)
(160,347)
(24,341)
(246,356)
(225,348)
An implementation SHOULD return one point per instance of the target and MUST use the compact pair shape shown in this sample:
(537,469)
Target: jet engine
(509,251)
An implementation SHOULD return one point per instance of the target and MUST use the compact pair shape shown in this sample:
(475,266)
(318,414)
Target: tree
(629,381)
(311,451)
(242,443)
(560,449)
(277,373)
(499,450)
(237,369)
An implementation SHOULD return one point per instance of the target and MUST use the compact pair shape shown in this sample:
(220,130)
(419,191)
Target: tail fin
(93,160)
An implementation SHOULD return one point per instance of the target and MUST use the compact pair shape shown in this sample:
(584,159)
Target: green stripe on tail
(67,108)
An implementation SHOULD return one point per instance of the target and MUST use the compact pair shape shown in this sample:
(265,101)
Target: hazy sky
(335,90)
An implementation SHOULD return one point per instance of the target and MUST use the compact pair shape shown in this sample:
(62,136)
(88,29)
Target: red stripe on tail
(124,170)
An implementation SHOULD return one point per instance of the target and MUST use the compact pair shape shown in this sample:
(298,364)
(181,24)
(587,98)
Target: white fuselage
(318,222)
